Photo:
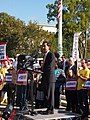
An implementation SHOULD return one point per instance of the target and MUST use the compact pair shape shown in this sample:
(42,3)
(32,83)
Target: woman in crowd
(70,91)
(60,80)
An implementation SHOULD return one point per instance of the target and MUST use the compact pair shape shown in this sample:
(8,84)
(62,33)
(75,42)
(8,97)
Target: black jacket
(49,68)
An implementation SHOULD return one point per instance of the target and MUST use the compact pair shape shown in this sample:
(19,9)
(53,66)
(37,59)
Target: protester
(71,92)
(83,75)
(5,86)
(1,82)
(48,77)
(60,80)
(58,59)
(11,85)
(64,64)
(21,84)
(5,68)
(72,65)
(15,63)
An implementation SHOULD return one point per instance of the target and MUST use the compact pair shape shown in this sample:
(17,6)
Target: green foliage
(88,48)
(11,32)
(75,18)
(26,39)
(21,38)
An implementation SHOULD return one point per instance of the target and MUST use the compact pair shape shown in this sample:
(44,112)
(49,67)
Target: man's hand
(78,74)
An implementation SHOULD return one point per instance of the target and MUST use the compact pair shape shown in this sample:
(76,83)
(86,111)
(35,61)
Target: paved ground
(59,114)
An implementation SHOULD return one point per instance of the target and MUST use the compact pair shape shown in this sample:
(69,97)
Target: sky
(26,10)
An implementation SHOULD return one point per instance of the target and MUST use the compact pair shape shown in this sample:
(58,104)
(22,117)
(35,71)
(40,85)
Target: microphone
(30,60)
(39,52)
(36,55)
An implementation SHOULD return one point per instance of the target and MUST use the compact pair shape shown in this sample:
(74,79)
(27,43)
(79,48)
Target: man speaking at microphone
(48,77)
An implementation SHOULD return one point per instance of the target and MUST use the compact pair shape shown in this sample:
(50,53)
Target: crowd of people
(76,85)
(59,76)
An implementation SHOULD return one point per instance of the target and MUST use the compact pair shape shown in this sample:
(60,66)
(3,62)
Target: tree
(21,38)
(35,35)
(88,48)
(75,19)
(11,31)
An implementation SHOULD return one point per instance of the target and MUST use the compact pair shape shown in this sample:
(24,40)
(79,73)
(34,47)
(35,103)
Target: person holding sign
(9,76)
(4,85)
(83,75)
(1,81)
(60,80)
(10,79)
(21,83)
(4,68)
(70,91)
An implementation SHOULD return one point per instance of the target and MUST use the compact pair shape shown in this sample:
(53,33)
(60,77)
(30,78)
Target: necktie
(44,59)
(63,65)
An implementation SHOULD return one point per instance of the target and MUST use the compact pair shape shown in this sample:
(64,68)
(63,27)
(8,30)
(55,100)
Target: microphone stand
(31,71)
(32,112)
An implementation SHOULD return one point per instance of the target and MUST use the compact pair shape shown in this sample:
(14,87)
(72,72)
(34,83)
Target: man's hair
(63,56)
(57,55)
(86,61)
(48,43)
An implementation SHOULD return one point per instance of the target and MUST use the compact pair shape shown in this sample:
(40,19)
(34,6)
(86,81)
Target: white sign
(70,84)
(22,77)
(8,77)
(2,51)
(87,84)
(75,52)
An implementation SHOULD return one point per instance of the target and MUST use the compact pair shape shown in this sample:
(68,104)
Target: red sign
(22,77)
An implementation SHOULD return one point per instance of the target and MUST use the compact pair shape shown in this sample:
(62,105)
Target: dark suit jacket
(49,68)
(66,66)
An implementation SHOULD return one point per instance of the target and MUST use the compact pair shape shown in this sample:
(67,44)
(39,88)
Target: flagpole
(60,28)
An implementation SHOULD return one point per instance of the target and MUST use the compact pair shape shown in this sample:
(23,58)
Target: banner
(75,51)
(87,84)
(2,51)
(71,84)
(8,77)
(22,77)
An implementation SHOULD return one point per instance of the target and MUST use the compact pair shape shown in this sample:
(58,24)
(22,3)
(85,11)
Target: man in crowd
(83,75)
(64,64)
(72,65)
(6,86)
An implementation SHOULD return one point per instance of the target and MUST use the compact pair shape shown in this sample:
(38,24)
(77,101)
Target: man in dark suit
(64,64)
(48,77)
